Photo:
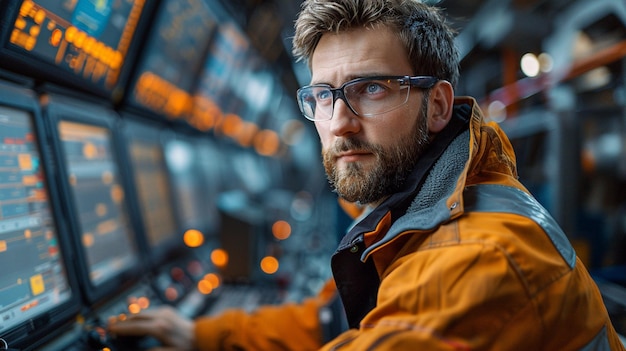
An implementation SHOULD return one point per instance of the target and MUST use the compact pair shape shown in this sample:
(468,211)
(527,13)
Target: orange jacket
(467,261)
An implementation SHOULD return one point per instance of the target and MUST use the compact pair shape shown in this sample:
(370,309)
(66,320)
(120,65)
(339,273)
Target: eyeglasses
(366,97)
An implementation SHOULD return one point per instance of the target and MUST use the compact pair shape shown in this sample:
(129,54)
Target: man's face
(368,158)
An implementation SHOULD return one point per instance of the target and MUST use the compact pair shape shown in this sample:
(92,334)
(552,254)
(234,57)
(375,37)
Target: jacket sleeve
(285,327)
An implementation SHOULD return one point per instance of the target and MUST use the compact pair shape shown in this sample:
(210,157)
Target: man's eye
(324,94)
(367,88)
(373,88)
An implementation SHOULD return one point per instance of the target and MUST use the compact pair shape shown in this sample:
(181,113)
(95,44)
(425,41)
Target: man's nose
(344,120)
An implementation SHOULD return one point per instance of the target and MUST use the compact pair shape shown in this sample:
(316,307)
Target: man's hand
(163,323)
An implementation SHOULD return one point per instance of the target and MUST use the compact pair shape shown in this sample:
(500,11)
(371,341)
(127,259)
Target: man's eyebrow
(351,77)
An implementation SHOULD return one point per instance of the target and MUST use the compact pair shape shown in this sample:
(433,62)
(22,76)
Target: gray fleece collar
(428,210)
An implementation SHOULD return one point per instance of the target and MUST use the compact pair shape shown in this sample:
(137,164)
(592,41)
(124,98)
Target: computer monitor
(38,291)
(173,55)
(151,181)
(89,45)
(96,203)
(223,67)
(193,164)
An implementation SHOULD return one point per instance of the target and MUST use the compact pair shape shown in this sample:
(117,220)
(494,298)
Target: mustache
(348,144)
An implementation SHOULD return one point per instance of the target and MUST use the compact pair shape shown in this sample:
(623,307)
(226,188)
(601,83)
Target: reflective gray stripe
(506,199)
(599,343)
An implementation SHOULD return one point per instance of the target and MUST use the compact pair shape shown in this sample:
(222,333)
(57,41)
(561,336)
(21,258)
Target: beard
(392,166)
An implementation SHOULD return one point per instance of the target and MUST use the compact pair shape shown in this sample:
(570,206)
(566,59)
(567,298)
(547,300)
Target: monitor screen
(84,44)
(154,191)
(219,92)
(172,58)
(192,164)
(225,61)
(98,195)
(35,286)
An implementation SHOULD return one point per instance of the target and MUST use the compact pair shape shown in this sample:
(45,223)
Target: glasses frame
(420,82)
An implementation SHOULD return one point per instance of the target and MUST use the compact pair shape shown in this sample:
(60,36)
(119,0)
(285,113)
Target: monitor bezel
(18,61)
(136,126)
(49,324)
(60,108)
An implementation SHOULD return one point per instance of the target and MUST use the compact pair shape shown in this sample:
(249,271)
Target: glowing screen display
(94,178)
(173,57)
(88,40)
(33,278)
(151,181)
(195,182)
(225,61)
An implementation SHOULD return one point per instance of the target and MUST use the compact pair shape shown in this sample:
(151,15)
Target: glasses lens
(370,97)
(365,96)
(316,102)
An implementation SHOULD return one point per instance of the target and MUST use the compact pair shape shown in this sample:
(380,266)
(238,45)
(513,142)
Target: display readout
(174,54)
(151,181)
(95,183)
(86,38)
(33,278)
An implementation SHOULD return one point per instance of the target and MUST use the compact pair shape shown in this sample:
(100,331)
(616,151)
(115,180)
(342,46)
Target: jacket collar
(397,204)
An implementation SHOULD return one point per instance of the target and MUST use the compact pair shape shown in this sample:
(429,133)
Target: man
(451,252)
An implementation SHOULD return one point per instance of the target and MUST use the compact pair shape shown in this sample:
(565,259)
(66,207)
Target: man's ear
(441,101)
